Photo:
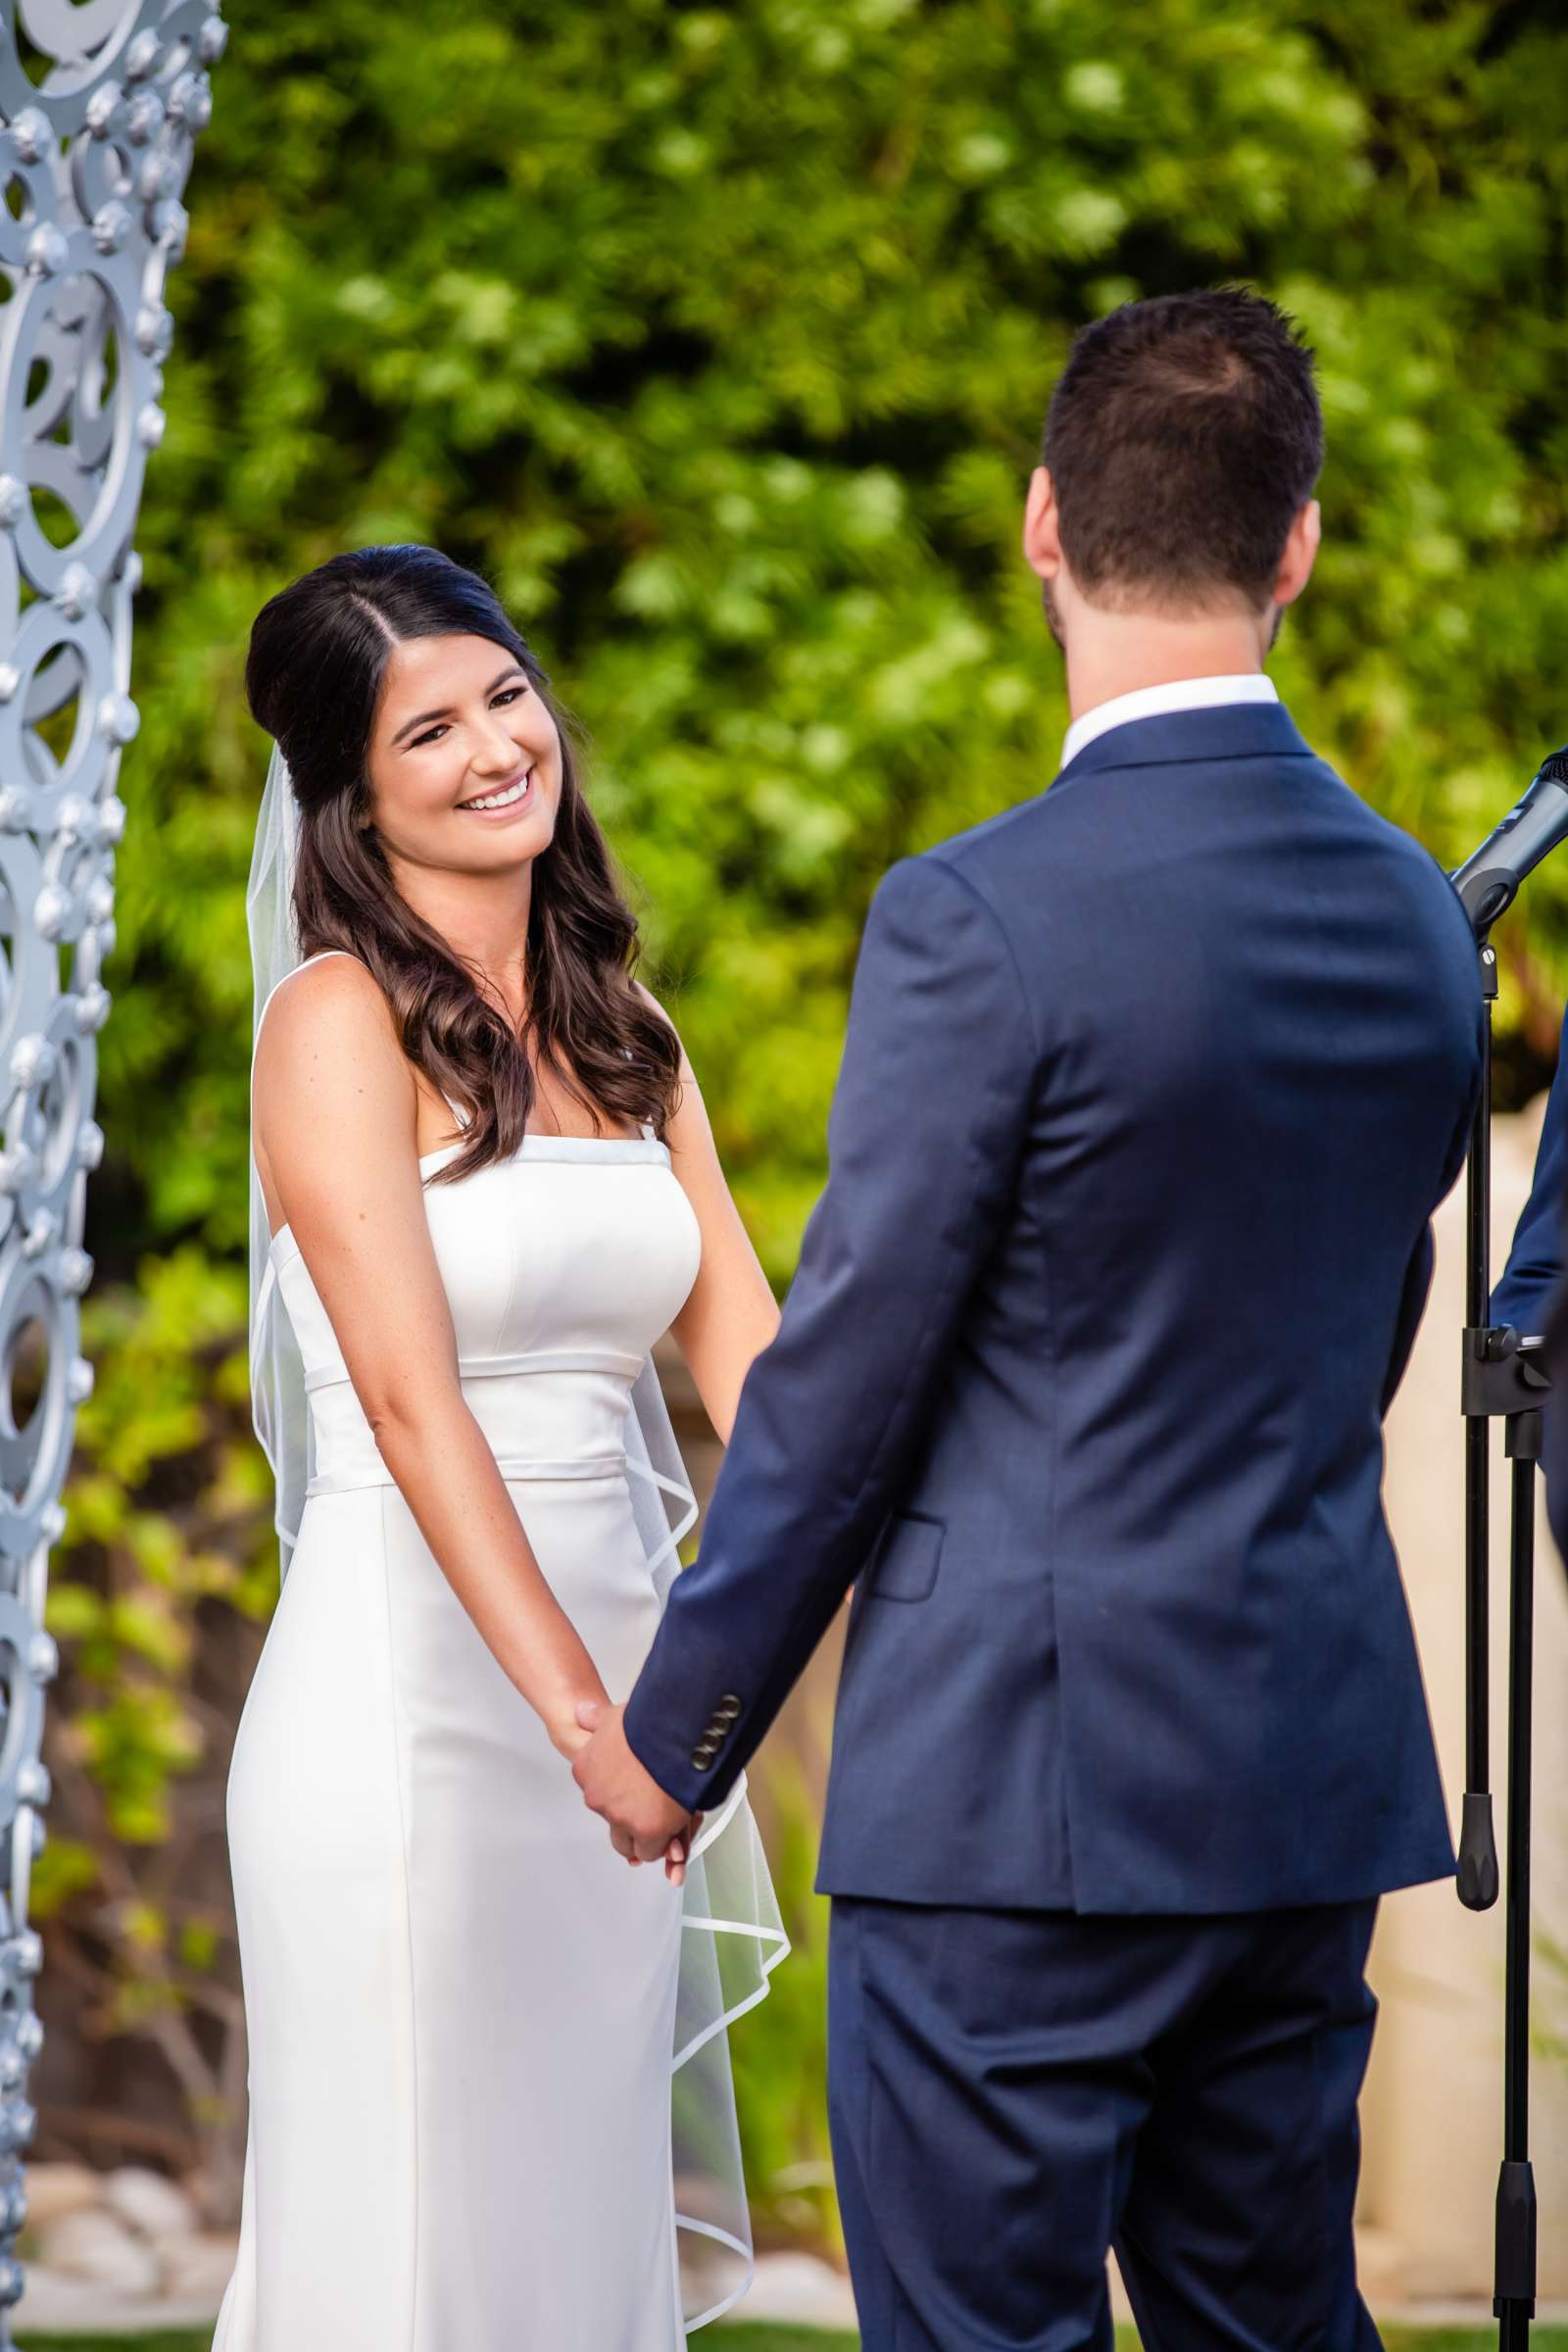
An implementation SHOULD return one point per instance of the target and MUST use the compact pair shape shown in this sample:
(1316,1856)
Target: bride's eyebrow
(425,717)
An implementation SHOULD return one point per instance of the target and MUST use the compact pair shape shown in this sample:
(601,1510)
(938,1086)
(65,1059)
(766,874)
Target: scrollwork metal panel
(100,102)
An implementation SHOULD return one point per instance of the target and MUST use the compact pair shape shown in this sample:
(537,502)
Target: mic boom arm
(1491,875)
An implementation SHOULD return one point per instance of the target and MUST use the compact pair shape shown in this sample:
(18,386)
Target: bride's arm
(730,1314)
(335,1110)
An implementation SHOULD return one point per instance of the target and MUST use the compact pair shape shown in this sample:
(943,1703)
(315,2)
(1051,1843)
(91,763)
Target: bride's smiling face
(465,763)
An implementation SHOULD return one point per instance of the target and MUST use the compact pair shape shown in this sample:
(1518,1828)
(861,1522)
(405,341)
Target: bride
(490,2105)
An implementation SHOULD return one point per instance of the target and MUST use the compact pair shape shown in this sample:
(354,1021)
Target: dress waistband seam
(499,1367)
(515,1467)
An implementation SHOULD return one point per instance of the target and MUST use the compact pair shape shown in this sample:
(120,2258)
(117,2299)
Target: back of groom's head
(1183,439)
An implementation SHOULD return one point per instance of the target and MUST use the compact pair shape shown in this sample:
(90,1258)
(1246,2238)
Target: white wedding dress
(468,2019)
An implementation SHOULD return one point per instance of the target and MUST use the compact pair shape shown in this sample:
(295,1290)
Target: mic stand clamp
(1502,1379)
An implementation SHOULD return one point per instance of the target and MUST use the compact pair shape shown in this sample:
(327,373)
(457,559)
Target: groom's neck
(1115,653)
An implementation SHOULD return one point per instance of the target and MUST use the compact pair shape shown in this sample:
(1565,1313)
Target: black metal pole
(1478,1846)
(1502,1378)
(1515,2296)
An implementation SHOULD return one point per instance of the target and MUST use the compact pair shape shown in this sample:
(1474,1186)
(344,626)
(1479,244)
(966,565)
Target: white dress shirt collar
(1158,702)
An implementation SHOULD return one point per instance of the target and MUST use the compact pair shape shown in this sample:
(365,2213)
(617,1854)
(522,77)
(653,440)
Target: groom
(1150,1087)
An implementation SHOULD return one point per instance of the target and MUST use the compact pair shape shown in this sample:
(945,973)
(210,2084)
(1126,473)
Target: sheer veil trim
(732,1934)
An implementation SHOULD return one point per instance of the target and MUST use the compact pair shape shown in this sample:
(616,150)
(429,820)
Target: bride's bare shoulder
(324,992)
(326,1029)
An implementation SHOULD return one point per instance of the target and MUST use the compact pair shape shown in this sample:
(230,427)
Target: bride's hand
(678,1853)
(567,1736)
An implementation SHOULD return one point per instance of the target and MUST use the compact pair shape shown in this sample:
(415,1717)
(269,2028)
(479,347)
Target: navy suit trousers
(1013,2092)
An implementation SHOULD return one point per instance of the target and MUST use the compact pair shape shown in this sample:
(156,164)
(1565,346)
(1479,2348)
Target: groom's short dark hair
(1183,439)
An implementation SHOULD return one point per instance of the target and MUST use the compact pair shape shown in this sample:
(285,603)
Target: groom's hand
(642,1819)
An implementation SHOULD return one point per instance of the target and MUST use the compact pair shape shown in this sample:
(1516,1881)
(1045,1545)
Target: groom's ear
(1300,553)
(1042,531)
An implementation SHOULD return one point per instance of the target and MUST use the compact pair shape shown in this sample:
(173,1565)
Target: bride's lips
(518,808)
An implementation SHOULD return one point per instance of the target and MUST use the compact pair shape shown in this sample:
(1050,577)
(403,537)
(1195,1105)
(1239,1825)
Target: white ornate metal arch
(100,102)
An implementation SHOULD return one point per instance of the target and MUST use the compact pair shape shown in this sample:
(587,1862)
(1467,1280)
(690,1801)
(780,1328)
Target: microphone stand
(1502,1379)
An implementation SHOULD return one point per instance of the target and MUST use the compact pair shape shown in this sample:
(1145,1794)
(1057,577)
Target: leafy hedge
(719,337)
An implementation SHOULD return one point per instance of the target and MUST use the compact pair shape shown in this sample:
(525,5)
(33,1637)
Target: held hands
(645,1824)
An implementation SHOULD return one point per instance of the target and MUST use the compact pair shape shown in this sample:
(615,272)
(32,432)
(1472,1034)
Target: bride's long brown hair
(313,676)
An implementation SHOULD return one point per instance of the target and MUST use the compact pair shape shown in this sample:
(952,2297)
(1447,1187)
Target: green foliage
(162,1514)
(178,2339)
(720,338)
(779,2050)
(158,1590)
(182,2341)
(779,2339)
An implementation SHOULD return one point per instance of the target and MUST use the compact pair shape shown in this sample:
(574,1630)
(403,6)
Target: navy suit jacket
(1524,1296)
(1149,1090)
(1555,1419)
(1530,1294)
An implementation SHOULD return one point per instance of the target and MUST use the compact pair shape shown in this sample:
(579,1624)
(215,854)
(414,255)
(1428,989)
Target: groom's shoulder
(993,856)
(1424,886)
(988,880)
(948,900)
(939,880)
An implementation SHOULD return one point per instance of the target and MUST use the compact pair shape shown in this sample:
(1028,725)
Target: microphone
(1490,876)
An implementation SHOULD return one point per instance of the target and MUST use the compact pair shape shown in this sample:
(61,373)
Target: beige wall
(1434,2102)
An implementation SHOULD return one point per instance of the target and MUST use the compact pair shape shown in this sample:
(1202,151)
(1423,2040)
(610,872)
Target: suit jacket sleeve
(1524,1296)
(1555,1416)
(1418,1273)
(924,1137)
(1412,1305)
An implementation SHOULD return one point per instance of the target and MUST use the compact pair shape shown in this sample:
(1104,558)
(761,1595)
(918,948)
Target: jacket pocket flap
(903,1566)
